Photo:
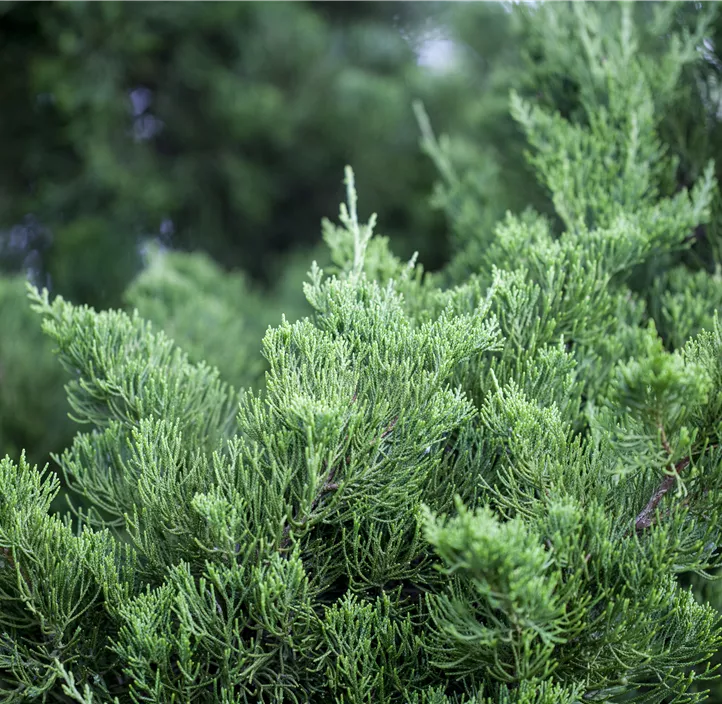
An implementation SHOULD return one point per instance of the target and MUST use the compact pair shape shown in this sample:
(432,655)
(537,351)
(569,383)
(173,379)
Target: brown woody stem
(645,518)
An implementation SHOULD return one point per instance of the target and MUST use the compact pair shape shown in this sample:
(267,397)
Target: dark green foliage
(215,126)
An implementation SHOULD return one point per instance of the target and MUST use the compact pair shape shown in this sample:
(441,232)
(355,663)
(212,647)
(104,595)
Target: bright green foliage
(496,491)
(212,315)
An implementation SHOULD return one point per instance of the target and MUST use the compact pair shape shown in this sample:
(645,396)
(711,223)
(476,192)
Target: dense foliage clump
(501,482)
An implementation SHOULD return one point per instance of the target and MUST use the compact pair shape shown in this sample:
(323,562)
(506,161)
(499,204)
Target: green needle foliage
(215,316)
(487,487)
(33,407)
(207,312)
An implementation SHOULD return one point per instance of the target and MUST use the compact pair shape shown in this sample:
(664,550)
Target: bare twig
(645,518)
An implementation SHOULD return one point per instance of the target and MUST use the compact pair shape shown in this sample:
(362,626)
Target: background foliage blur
(220,126)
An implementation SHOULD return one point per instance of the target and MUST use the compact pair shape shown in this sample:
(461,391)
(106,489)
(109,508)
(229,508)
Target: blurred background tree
(215,316)
(215,126)
(33,407)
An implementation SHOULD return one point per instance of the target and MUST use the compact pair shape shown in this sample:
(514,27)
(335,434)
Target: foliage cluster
(500,482)
(482,485)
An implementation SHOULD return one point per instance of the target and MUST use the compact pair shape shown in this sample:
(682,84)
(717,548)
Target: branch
(645,518)
(328,486)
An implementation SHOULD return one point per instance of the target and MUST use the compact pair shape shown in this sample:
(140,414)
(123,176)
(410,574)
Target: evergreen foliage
(33,407)
(493,484)
(536,51)
(213,315)
(203,309)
